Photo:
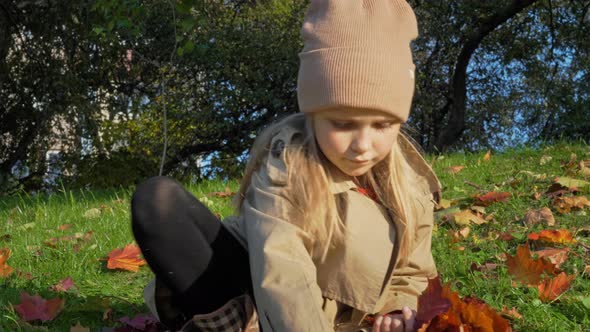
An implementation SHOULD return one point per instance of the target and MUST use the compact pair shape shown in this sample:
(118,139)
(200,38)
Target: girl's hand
(404,322)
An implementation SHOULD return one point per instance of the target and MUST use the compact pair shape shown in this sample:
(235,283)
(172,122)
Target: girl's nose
(361,143)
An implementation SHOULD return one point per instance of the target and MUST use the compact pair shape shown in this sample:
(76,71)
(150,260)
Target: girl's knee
(153,198)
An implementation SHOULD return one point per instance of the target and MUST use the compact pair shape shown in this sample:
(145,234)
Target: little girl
(335,217)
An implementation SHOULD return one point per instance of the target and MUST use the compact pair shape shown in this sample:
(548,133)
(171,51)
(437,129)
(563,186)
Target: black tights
(188,249)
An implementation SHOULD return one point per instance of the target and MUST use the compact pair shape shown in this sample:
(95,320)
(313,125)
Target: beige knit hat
(357,54)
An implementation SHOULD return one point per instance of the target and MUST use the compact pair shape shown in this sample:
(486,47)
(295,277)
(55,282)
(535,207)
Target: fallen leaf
(464,314)
(35,307)
(455,169)
(127,258)
(139,322)
(561,236)
(492,197)
(555,256)
(557,190)
(506,236)
(585,168)
(444,204)
(64,227)
(460,234)
(536,216)
(79,328)
(535,176)
(571,183)
(431,302)
(545,159)
(551,288)
(488,156)
(512,313)
(587,271)
(536,196)
(63,285)
(487,267)
(223,194)
(566,204)
(92,213)
(465,217)
(5,269)
(527,270)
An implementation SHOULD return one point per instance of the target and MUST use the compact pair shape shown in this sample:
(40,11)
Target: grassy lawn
(103,296)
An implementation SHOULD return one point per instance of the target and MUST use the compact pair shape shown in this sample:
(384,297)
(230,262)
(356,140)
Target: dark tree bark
(455,106)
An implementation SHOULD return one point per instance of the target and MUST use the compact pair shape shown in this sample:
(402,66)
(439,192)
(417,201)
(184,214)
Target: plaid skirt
(237,315)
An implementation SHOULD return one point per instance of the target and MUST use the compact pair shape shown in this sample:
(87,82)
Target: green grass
(31,220)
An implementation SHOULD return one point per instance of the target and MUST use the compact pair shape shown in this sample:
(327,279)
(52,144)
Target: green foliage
(117,169)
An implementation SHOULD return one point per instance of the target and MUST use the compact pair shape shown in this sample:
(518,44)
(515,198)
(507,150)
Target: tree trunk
(458,90)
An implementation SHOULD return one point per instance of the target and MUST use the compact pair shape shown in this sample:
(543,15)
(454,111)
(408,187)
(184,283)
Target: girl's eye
(342,124)
(383,125)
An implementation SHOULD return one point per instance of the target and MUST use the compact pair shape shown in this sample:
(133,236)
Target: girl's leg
(187,247)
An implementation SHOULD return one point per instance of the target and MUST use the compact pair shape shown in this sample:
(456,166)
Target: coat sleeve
(409,280)
(287,295)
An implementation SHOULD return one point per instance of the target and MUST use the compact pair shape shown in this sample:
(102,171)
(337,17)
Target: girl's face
(353,139)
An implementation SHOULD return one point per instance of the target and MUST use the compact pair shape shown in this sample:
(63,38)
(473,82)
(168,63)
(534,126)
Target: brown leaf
(64,227)
(487,267)
(561,236)
(512,313)
(566,204)
(585,168)
(492,197)
(536,216)
(488,156)
(37,308)
(506,236)
(587,271)
(527,270)
(459,235)
(551,288)
(5,269)
(555,256)
(223,194)
(455,169)
(126,258)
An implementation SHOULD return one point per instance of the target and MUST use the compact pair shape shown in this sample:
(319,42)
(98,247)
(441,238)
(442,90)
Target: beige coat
(295,291)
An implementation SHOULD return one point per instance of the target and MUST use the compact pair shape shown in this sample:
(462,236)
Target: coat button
(277,148)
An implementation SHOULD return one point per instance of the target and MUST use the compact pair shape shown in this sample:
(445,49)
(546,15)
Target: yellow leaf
(465,217)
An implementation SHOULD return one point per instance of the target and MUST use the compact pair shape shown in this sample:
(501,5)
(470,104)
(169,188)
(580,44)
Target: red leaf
(492,197)
(526,270)
(64,285)
(126,258)
(431,302)
(35,307)
(550,289)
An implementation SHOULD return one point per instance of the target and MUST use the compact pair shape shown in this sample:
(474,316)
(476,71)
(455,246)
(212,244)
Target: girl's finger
(409,318)
(397,323)
(377,324)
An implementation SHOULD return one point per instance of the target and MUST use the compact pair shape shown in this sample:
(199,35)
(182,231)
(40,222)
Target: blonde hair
(316,207)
